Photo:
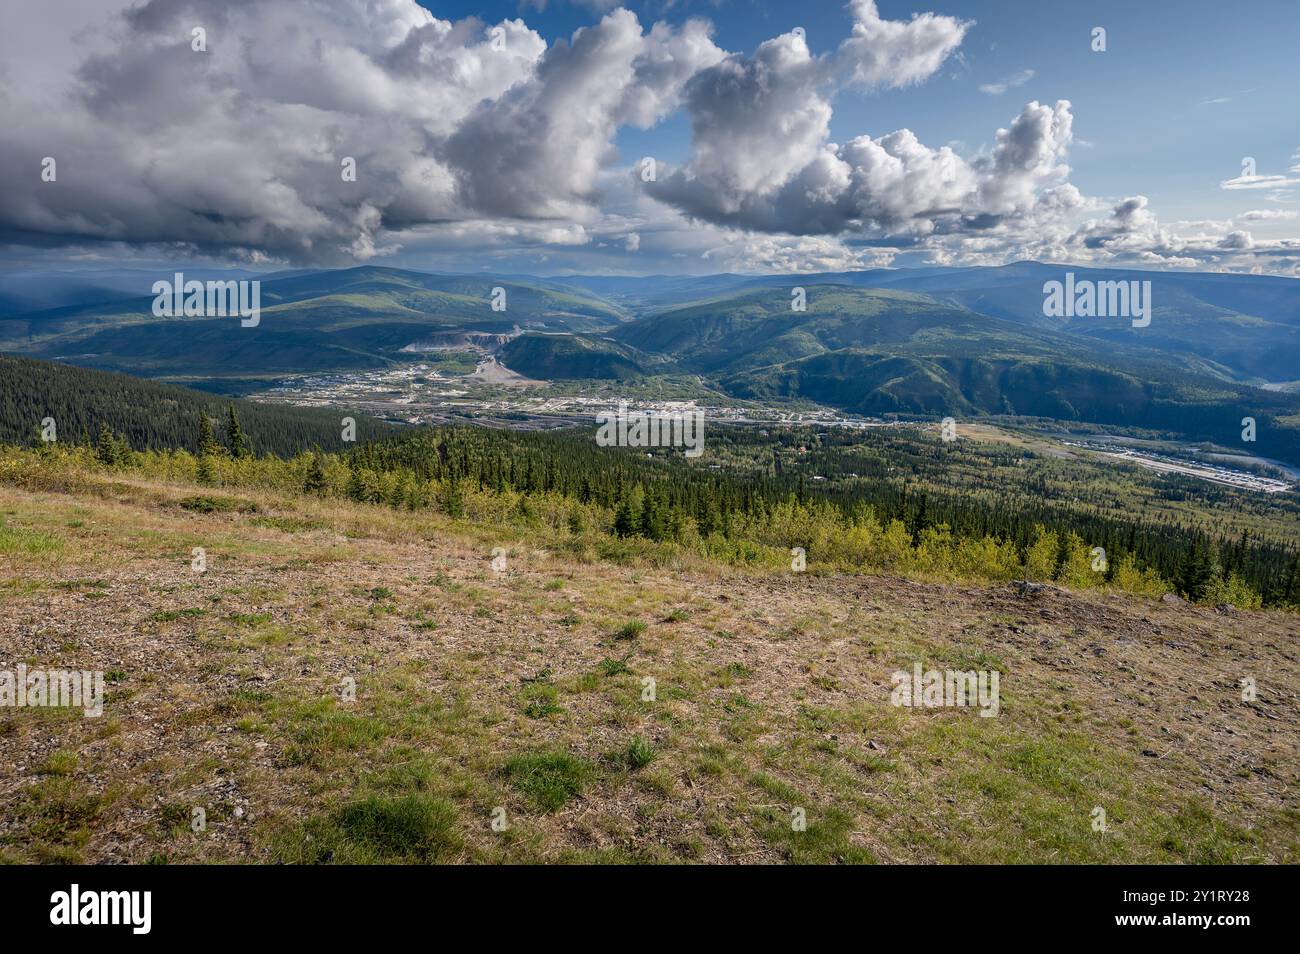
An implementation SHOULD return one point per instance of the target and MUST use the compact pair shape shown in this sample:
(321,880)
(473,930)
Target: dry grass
(520,696)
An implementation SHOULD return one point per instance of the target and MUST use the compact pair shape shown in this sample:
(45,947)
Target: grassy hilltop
(522,687)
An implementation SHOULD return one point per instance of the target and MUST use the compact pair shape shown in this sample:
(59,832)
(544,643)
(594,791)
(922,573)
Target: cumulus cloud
(537,150)
(737,175)
(895,53)
(477,138)
(239,147)
(740,252)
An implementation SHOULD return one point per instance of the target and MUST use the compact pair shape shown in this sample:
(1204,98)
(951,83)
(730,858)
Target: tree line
(145,414)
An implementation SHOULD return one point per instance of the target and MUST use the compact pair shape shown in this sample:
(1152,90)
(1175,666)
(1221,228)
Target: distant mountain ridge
(1246,325)
(963,341)
(349,319)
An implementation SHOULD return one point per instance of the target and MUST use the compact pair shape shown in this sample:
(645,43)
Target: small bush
(204,503)
(630,630)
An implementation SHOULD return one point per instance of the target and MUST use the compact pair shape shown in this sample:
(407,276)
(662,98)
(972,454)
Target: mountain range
(927,341)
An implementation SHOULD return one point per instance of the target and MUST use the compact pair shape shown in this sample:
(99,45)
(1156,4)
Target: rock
(1026,587)
(1172,598)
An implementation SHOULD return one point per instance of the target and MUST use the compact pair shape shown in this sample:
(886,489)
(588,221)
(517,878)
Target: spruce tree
(106,447)
(356,485)
(627,519)
(453,500)
(205,475)
(1291,594)
(238,446)
(1198,570)
(315,482)
(654,523)
(207,440)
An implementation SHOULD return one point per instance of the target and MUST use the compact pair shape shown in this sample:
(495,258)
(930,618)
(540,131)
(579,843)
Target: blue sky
(1015,139)
(1147,106)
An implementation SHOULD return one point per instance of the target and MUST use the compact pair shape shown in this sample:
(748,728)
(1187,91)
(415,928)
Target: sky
(672,136)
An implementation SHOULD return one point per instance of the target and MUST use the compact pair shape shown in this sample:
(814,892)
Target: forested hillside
(323,320)
(925,521)
(876,351)
(558,356)
(150,415)
(902,500)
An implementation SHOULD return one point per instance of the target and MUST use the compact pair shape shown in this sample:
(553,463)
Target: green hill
(348,319)
(565,356)
(876,351)
(152,415)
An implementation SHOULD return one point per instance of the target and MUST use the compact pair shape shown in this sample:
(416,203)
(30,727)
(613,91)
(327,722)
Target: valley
(424,394)
(919,344)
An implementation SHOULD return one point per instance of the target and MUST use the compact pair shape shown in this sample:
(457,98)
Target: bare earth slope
(521,697)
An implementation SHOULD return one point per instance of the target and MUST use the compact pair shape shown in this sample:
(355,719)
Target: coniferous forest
(145,414)
(990,509)
(657,496)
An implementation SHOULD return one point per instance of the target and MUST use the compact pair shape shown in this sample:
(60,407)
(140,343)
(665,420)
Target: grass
(770,700)
(637,754)
(548,779)
(289,524)
(207,503)
(62,762)
(57,815)
(415,828)
(541,700)
(630,630)
(170,616)
(614,667)
(28,543)
(815,837)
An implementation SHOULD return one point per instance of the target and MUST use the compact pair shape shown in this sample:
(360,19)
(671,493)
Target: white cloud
(893,183)
(895,53)
(1258,182)
(475,138)
(1267,215)
(239,147)
(1010,82)
(740,252)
